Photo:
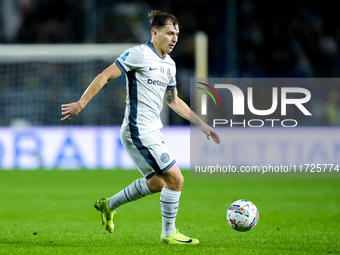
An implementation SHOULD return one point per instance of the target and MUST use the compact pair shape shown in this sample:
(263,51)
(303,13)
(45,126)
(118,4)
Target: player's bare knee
(176,181)
(181,180)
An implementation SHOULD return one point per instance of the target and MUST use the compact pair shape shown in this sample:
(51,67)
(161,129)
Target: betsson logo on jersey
(157,82)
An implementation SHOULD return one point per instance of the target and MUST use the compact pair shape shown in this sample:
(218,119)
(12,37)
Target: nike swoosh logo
(189,241)
(151,69)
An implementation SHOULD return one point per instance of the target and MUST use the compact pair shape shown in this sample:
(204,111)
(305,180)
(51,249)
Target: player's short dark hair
(159,19)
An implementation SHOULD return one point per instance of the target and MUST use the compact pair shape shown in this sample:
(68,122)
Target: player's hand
(209,131)
(70,110)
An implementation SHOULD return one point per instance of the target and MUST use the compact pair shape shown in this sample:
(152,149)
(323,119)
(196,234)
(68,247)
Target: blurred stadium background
(245,39)
(50,50)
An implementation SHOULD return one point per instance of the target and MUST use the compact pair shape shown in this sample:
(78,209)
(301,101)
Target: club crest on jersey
(168,73)
(165,157)
(124,57)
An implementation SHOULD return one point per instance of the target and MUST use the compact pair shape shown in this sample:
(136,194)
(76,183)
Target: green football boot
(107,214)
(178,238)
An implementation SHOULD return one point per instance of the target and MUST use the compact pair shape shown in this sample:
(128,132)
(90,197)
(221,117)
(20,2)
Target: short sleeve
(172,82)
(131,59)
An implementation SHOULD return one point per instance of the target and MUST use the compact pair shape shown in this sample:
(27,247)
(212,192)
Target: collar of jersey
(154,50)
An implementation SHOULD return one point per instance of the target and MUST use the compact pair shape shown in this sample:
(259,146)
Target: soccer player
(150,75)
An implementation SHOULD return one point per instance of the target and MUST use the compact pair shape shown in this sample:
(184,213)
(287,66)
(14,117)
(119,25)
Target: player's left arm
(183,110)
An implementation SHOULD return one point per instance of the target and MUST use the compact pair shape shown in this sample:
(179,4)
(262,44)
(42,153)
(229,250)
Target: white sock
(169,207)
(134,191)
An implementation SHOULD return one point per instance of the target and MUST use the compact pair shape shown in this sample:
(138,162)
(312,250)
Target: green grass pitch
(51,212)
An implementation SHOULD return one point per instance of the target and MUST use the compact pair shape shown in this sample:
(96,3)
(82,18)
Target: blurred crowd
(301,38)
(274,38)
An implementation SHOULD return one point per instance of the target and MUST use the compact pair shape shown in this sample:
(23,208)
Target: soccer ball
(242,215)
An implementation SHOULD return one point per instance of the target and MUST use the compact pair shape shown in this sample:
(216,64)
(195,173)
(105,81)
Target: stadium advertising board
(77,148)
(100,147)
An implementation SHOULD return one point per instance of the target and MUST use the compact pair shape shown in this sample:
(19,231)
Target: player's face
(166,38)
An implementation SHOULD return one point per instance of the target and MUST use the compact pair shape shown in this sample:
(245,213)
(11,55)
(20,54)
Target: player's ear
(154,32)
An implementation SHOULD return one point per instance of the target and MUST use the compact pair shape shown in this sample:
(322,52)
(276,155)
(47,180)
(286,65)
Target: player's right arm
(71,109)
